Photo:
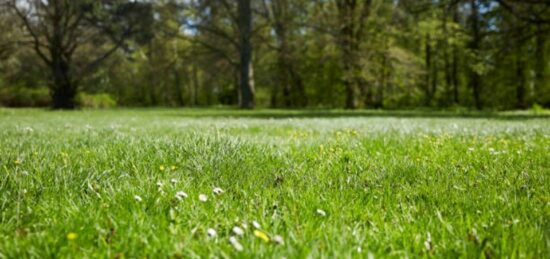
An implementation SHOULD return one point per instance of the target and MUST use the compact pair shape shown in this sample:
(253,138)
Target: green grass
(477,184)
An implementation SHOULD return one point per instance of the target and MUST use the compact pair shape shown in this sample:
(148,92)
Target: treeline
(483,54)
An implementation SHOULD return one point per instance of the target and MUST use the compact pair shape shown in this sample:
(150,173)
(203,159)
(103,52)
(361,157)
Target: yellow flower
(71,236)
(17,162)
(261,235)
(161,168)
(173,167)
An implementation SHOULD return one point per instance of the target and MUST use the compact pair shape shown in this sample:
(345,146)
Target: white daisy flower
(181,195)
(321,212)
(428,242)
(138,199)
(238,231)
(236,244)
(256,224)
(173,181)
(160,184)
(203,197)
(218,191)
(278,240)
(211,232)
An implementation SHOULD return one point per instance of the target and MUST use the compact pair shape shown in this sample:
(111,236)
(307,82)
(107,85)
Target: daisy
(256,224)
(218,191)
(321,212)
(181,195)
(211,232)
(236,244)
(238,231)
(137,198)
(203,197)
(278,240)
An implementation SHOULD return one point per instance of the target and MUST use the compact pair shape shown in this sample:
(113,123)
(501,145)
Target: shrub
(96,101)
(25,97)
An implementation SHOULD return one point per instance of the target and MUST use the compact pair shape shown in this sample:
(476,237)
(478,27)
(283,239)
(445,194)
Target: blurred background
(391,54)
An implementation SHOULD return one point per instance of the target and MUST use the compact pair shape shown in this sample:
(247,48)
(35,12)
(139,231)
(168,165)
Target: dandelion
(137,198)
(173,167)
(203,197)
(278,240)
(211,232)
(217,191)
(161,167)
(17,162)
(256,224)
(71,236)
(235,243)
(261,235)
(181,195)
(238,231)
(321,212)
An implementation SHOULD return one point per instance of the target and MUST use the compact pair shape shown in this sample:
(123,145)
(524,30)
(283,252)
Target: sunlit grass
(140,183)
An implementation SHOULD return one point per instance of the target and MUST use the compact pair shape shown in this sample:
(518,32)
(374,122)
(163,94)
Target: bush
(96,101)
(25,97)
(538,109)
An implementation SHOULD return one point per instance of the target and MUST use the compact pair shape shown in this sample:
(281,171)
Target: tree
(73,37)
(246,99)
(352,15)
(282,15)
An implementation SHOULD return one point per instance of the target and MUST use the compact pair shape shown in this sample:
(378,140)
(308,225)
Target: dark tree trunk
(63,96)
(299,94)
(63,87)
(540,63)
(521,80)
(428,79)
(455,61)
(447,62)
(475,45)
(245,31)
(177,88)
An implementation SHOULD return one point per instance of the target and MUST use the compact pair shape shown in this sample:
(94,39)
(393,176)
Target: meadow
(193,183)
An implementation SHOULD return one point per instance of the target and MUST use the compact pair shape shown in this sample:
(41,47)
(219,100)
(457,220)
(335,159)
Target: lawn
(294,184)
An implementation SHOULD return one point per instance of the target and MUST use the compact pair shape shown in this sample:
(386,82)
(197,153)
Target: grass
(399,184)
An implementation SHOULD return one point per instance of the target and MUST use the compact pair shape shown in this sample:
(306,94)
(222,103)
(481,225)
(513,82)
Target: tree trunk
(520,89)
(475,44)
(428,57)
(63,88)
(454,73)
(63,96)
(446,58)
(540,64)
(246,77)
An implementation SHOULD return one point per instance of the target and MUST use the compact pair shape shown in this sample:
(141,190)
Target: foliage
(96,101)
(25,97)
(484,54)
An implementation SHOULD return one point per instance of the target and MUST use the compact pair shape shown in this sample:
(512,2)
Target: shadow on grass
(318,113)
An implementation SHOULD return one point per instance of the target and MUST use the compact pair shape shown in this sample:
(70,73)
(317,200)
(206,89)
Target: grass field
(330,184)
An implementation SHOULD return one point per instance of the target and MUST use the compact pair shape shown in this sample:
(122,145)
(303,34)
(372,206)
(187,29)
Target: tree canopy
(482,54)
